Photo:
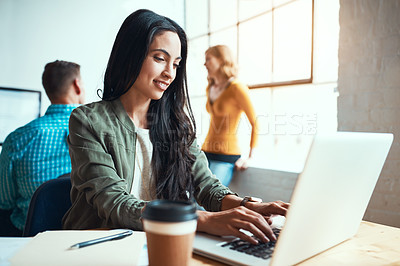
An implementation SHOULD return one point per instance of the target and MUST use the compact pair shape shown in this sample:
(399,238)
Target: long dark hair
(170,119)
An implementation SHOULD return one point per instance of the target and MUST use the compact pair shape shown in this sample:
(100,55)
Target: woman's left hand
(269,208)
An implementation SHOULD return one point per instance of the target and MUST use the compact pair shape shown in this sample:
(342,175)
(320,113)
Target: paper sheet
(52,248)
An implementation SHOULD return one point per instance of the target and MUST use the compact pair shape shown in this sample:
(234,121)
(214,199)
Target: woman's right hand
(228,223)
(241,164)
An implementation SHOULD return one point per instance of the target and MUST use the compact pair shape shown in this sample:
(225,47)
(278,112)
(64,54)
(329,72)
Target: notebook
(327,204)
(53,248)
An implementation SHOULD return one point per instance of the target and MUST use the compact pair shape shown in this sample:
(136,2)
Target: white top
(143,184)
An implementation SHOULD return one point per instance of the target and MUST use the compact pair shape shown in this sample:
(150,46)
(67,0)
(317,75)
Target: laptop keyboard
(261,250)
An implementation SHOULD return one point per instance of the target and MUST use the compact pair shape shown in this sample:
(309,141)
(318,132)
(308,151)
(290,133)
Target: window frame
(209,33)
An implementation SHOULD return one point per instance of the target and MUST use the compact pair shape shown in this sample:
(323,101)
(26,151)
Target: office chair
(48,205)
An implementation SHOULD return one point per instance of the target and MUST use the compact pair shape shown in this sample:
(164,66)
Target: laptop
(327,204)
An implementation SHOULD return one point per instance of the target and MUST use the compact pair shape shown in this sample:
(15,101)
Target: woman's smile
(161,84)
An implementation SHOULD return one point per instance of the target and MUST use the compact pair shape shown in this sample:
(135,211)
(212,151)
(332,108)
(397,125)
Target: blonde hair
(228,64)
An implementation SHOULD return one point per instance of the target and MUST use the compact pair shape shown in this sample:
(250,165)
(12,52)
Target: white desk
(9,246)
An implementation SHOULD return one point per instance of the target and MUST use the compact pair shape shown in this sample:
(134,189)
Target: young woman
(138,143)
(227,98)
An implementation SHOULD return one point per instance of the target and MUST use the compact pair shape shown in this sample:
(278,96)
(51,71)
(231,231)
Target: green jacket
(102,145)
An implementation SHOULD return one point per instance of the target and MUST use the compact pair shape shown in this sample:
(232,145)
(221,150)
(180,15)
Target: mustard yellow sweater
(225,114)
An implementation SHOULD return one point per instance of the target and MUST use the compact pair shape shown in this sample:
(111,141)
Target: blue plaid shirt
(31,155)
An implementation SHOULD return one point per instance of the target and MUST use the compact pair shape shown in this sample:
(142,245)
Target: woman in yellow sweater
(227,98)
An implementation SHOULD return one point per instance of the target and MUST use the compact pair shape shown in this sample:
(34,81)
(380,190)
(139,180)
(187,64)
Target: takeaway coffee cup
(170,227)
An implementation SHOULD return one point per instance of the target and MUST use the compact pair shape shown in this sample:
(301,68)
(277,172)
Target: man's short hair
(58,76)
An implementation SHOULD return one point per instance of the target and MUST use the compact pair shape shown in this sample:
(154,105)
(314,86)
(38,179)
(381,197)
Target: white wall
(33,33)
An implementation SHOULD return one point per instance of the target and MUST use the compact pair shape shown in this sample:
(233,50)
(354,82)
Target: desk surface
(374,244)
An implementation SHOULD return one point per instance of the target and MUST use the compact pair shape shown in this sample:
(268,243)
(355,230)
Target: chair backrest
(48,205)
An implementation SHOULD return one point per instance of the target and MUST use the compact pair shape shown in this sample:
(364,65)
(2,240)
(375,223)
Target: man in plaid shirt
(38,151)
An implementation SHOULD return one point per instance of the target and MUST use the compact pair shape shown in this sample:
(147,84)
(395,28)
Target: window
(272,39)
(287,52)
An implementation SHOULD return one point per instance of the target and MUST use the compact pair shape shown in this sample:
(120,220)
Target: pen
(102,239)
